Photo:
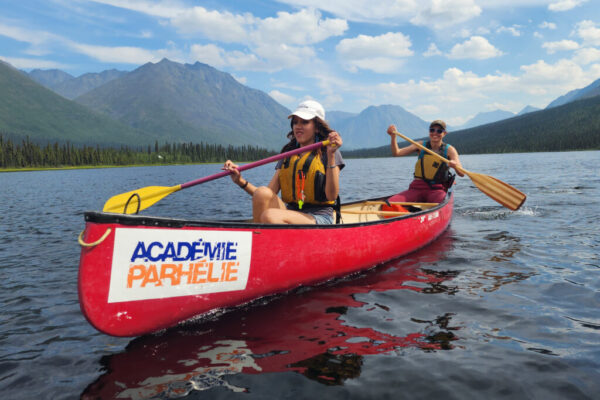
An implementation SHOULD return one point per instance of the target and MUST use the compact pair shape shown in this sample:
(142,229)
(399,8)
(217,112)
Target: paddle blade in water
(503,193)
(139,199)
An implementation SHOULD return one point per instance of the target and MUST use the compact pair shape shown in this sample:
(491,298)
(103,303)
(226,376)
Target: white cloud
(588,31)
(432,50)
(587,56)
(43,43)
(218,57)
(245,61)
(282,98)
(301,28)
(163,9)
(282,56)
(208,54)
(216,25)
(389,44)
(460,91)
(33,37)
(563,45)
(241,79)
(542,77)
(33,63)
(476,47)
(565,5)
(272,43)
(382,11)
(382,54)
(124,54)
(547,25)
(380,65)
(513,30)
(440,14)
(265,58)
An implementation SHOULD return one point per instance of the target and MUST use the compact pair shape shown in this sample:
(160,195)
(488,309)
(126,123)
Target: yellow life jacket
(430,168)
(290,179)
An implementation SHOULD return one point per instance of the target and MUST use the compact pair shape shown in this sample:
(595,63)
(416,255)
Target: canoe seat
(366,211)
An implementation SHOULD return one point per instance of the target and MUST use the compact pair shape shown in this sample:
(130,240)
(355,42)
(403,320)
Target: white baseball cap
(309,109)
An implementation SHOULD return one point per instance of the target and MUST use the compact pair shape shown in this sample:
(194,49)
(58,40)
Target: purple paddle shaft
(256,163)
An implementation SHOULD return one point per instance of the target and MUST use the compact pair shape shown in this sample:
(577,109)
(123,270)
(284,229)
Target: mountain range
(70,87)
(29,109)
(488,117)
(589,91)
(191,103)
(173,102)
(368,128)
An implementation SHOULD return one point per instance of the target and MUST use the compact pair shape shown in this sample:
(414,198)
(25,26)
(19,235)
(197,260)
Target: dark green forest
(28,154)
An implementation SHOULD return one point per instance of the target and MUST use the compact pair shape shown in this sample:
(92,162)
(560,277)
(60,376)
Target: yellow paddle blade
(138,200)
(503,193)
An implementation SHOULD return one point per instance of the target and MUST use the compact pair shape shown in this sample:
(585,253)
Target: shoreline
(71,167)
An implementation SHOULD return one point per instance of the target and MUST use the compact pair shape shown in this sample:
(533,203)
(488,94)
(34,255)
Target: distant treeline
(26,154)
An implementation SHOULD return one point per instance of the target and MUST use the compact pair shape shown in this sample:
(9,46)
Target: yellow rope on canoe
(96,243)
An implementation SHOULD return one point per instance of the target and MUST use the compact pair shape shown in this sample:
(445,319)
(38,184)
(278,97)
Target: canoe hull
(148,274)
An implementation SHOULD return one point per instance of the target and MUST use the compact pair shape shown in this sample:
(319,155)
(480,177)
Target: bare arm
(274,184)
(332,171)
(249,188)
(396,151)
(454,160)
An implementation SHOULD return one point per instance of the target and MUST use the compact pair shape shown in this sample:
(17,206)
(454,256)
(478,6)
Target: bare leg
(263,199)
(268,208)
(278,216)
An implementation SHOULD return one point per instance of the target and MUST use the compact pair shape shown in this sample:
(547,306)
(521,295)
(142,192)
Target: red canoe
(140,274)
(308,333)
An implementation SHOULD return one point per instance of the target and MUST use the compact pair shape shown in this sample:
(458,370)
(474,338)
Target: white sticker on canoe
(161,263)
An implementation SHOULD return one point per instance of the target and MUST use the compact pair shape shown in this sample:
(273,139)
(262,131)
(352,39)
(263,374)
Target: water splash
(494,213)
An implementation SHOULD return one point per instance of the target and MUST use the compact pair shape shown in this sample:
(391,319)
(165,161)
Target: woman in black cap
(432,178)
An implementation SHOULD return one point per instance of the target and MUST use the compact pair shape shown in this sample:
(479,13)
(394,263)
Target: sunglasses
(438,130)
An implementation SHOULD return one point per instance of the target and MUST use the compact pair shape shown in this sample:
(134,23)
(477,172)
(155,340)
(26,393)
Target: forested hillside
(191,103)
(27,109)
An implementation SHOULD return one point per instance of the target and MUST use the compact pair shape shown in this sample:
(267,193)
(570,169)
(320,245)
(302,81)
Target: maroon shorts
(419,191)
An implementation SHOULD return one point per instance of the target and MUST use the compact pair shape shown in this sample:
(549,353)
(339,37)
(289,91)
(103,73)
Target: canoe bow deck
(140,274)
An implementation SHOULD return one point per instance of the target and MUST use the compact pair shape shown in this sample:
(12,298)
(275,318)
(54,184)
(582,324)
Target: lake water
(503,305)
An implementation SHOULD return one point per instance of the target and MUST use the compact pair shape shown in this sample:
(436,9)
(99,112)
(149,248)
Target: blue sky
(448,59)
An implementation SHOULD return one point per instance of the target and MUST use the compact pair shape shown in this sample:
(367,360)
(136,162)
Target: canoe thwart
(402,203)
(377,212)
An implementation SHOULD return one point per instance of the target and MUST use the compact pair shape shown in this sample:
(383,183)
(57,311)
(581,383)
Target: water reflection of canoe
(140,274)
(323,334)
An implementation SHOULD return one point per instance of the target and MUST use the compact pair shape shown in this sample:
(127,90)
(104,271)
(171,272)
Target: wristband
(244,185)
(331,166)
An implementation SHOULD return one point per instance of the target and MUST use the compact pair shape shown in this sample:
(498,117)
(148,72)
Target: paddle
(503,193)
(140,199)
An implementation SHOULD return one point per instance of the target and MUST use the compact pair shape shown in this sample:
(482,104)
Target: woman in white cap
(432,177)
(309,182)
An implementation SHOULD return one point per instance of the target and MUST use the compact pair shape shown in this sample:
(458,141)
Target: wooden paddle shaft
(501,192)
